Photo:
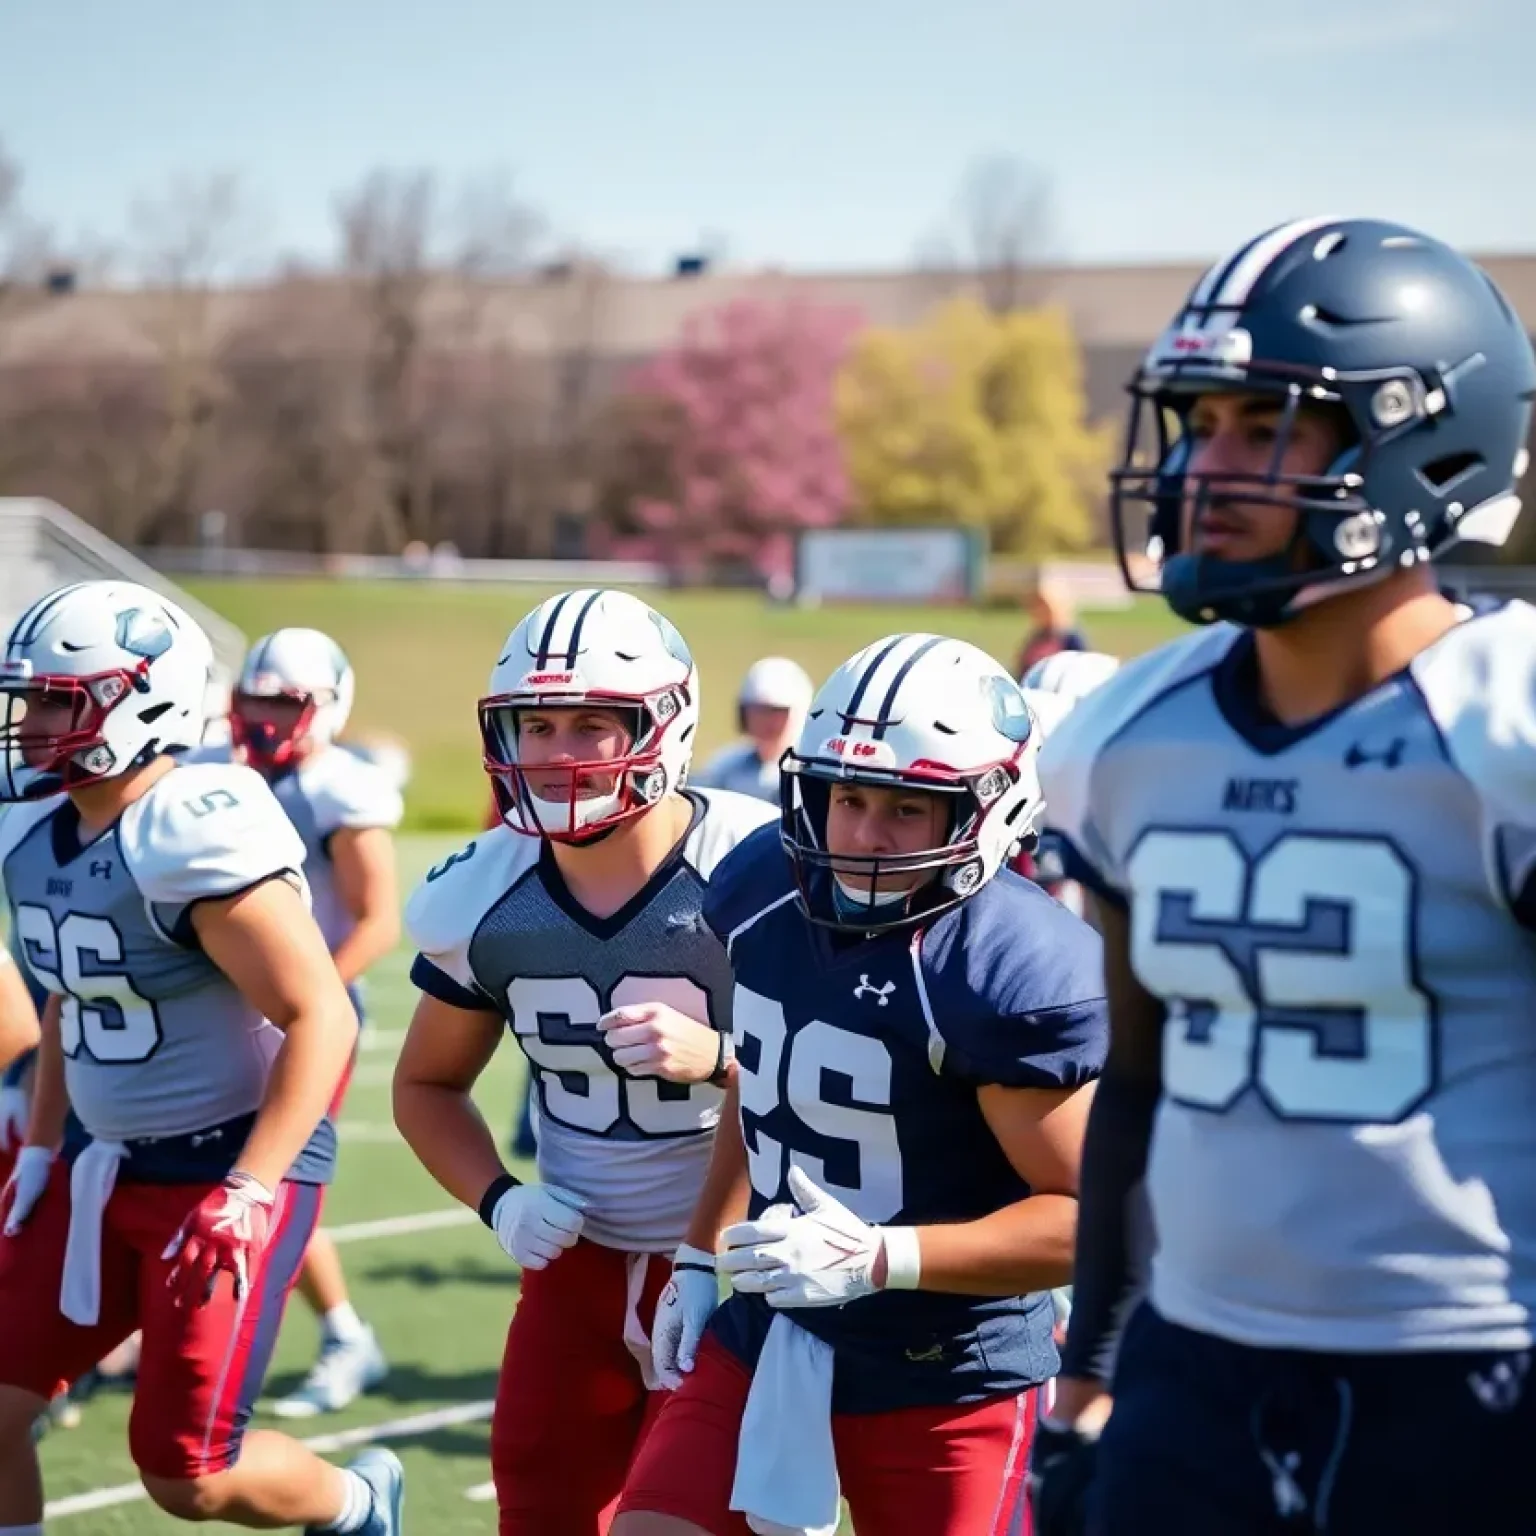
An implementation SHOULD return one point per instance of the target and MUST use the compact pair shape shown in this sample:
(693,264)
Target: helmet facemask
(273,728)
(54,728)
(580,801)
(843,891)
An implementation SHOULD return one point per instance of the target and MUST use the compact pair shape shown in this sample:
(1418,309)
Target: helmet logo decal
(142,632)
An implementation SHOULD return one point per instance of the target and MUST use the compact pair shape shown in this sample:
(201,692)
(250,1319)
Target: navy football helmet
(1405,341)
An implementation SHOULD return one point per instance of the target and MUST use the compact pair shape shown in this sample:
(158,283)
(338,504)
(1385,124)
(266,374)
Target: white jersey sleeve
(1479,685)
(445,911)
(1074,817)
(728,819)
(205,831)
(347,793)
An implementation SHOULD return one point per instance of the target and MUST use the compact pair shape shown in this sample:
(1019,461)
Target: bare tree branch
(998,234)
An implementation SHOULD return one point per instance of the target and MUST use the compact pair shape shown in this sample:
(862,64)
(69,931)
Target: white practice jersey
(497,929)
(1338,918)
(327,793)
(157,1040)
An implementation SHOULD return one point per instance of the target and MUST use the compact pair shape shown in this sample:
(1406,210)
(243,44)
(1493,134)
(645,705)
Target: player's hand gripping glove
(682,1314)
(29,1178)
(534,1223)
(1061,1467)
(819,1256)
(226,1233)
(14,1113)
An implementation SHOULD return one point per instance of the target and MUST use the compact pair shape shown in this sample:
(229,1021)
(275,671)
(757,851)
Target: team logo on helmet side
(143,633)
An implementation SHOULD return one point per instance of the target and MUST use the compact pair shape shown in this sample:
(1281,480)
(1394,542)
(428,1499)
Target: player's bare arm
(266,943)
(50,1100)
(363,862)
(18,1018)
(723,1198)
(1114,1162)
(1026,1246)
(445,1051)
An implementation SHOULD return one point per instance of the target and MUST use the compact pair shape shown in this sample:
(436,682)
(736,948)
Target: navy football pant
(1210,1438)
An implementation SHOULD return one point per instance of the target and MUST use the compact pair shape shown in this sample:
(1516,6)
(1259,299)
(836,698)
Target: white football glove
(29,1178)
(682,1314)
(820,1256)
(14,1112)
(535,1223)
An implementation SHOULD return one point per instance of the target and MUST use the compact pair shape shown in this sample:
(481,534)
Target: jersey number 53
(1290,971)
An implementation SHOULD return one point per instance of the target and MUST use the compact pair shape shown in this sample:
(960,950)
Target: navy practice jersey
(1337,918)
(860,1060)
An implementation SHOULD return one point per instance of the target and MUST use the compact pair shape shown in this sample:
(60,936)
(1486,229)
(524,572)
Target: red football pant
(200,1368)
(571,1405)
(952,1471)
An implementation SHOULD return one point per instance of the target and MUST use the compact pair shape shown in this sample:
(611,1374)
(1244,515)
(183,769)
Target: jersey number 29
(1290,971)
(789,1070)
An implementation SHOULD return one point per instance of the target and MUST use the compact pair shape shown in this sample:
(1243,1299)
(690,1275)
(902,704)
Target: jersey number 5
(81,958)
(1290,971)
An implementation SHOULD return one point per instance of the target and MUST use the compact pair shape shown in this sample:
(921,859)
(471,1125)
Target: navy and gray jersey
(1338,920)
(860,1061)
(158,1042)
(498,930)
(740,769)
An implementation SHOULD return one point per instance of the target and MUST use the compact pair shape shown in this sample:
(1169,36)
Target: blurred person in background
(291,701)
(770,710)
(1054,620)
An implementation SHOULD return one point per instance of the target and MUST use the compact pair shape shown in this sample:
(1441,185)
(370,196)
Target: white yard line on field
(402,1226)
(339,1440)
(372,1132)
(481,1493)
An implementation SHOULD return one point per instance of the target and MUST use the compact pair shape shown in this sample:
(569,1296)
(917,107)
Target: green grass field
(440,1297)
(423,654)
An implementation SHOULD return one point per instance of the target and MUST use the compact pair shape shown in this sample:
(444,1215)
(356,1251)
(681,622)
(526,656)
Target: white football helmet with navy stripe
(295,691)
(599,649)
(915,712)
(97,679)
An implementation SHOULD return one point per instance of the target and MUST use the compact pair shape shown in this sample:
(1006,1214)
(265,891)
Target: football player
(197,1029)
(770,710)
(290,703)
(1053,686)
(1311,827)
(916,1035)
(578,923)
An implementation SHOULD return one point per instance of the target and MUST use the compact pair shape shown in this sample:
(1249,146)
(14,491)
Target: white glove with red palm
(226,1232)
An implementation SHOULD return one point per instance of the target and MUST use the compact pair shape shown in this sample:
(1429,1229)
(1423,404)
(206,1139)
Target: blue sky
(806,133)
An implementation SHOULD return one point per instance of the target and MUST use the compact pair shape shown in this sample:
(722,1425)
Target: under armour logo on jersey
(1391,757)
(102,867)
(1500,1387)
(866,988)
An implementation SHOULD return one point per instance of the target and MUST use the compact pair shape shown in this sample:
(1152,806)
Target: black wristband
(722,1060)
(1110,1270)
(494,1191)
(703,1269)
